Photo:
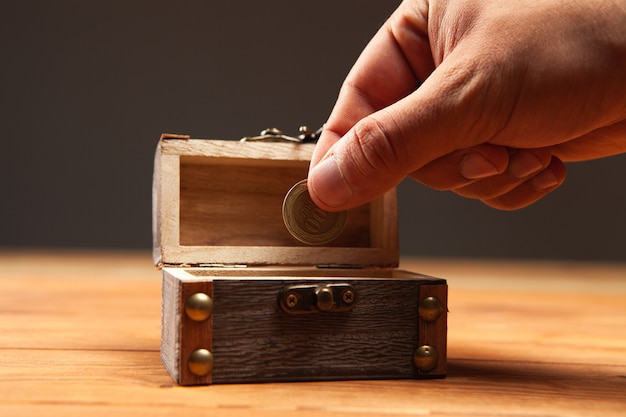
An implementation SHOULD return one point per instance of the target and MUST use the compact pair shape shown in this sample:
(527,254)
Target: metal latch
(273,134)
(310,298)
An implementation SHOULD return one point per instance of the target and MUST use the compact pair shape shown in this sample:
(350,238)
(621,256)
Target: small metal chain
(273,134)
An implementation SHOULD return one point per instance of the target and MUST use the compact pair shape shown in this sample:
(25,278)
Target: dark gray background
(88,86)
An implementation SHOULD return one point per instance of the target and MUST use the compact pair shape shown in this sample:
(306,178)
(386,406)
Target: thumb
(359,167)
(375,155)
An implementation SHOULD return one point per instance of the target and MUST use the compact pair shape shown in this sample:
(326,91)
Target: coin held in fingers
(307,222)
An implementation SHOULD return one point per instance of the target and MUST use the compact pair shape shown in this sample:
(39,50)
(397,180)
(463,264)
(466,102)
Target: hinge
(339,266)
(202,265)
(220,265)
(213,265)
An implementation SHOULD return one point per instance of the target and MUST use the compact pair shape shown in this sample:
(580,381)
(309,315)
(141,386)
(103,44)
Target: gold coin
(307,222)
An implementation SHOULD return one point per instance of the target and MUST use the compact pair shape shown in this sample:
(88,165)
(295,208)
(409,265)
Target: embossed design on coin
(307,222)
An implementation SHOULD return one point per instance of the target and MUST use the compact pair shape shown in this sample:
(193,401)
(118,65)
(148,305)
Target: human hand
(483,98)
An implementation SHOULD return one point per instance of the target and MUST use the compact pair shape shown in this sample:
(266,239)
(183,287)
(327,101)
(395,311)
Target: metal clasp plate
(273,134)
(310,298)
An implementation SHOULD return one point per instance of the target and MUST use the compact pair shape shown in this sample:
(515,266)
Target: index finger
(390,67)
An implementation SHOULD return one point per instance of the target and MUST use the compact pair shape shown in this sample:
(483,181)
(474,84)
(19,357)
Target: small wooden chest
(244,301)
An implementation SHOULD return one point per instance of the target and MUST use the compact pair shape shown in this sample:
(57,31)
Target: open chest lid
(218,202)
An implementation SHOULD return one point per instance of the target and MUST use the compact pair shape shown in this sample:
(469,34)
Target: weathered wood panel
(254,340)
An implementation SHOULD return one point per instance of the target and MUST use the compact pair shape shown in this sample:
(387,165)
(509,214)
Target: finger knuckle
(373,150)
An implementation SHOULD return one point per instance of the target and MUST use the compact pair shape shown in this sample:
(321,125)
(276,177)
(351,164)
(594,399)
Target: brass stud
(199,306)
(430,309)
(425,358)
(200,362)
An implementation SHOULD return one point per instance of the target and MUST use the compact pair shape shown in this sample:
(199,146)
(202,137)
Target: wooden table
(79,335)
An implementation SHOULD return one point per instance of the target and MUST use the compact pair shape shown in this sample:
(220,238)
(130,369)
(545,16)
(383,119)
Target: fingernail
(524,163)
(475,166)
(545,180)
(329,185)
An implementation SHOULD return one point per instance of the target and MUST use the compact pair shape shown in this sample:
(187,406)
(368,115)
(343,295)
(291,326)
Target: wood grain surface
(80,332)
